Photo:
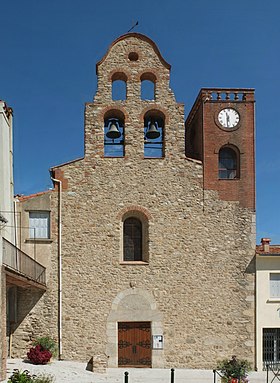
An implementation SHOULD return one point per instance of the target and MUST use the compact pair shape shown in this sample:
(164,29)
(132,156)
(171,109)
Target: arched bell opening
(119,88)
(114,134)
(148,91)
(154,134)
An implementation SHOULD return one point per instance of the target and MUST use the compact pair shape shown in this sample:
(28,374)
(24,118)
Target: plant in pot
(234,370)
(42,351)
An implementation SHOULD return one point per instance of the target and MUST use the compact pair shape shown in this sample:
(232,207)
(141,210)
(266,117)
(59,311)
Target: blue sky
(49,50)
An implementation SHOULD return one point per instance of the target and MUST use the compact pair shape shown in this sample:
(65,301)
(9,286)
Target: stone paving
(75,372)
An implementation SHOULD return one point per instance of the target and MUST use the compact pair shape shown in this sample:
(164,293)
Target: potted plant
(234,370)
(44,348)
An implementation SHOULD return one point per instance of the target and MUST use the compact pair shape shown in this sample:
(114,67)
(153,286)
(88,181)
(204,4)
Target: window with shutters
(274,282)
(39,224)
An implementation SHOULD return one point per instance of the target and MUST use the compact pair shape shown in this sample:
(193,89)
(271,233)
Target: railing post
(126,377)
(267,367)
(214,372)
(172,375)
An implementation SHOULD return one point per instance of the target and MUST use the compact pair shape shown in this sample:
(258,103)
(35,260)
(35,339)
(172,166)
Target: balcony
(22,269)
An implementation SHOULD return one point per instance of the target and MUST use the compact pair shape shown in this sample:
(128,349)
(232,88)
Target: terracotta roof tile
(26,197)
(273,250)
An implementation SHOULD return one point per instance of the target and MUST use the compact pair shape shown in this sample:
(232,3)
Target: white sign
(158,342)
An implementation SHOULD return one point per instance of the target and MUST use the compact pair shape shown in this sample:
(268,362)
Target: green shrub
(234,368)
(25,377)
(43,378)
(46,343)
(21,377)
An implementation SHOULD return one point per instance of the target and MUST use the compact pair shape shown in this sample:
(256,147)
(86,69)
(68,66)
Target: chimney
(265,244)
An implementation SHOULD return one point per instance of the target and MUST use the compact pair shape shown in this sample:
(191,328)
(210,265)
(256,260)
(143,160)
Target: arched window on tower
(114,134)
(132,239)
(119,86)
(154,134)
(148,81)
(229,163)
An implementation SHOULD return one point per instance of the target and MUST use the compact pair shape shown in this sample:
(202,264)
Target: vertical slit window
(132,239)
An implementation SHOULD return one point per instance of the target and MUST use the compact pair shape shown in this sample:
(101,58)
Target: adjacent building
(22,278)
(268,304)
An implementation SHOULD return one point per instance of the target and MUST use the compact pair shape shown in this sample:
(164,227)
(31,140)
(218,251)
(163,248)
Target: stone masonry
(195,284)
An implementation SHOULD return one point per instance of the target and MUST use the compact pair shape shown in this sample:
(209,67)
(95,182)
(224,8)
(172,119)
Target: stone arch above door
(133,305)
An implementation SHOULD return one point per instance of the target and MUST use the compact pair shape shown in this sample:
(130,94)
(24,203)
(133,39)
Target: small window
(228,163)
(133,56)
(274,282)
(132,239)
(39,224)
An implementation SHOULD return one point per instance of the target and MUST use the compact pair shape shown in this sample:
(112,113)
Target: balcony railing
(20,262)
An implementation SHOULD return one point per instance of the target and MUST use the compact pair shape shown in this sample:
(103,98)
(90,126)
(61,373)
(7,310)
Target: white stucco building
(268,304)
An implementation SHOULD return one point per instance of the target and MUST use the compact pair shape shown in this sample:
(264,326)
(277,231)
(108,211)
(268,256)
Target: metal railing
(19,261)
(232,380)
(172,376)
(275,369)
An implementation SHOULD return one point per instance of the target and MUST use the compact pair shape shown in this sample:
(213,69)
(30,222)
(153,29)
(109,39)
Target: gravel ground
(75,372)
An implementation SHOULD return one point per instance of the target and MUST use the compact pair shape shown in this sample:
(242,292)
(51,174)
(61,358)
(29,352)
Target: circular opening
(133,56)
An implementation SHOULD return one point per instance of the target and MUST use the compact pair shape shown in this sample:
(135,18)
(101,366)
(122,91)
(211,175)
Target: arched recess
(229,162)
(148,86)
(119,86)
(134,236)
(154,124)
(133,305)
(114,133)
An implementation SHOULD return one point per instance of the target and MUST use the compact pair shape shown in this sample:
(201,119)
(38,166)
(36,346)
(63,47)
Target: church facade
(152,232)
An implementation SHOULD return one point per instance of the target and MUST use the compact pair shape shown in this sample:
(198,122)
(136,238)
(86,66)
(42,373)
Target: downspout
(59,268)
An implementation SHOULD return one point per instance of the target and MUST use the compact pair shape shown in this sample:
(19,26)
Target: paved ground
(75,372)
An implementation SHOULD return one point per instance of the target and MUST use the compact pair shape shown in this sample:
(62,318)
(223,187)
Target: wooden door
(134,344)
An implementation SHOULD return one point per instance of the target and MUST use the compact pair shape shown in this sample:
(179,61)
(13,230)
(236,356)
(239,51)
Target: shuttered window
(39,224)
(274,285)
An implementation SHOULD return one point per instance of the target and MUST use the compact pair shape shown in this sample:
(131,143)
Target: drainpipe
(59,269)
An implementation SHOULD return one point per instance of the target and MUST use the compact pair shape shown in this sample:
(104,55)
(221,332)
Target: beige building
(6,216)
(21,276)
(268,305)
(149,239)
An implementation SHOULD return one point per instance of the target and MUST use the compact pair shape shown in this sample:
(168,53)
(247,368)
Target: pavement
(75,372)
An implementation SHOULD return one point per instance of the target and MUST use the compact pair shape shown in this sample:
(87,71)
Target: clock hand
(227,116)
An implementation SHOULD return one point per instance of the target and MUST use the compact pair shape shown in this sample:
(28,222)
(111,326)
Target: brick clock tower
(220,133)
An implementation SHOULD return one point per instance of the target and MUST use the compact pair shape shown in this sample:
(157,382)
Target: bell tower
(220,133)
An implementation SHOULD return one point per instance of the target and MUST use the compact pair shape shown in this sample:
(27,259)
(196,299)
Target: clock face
(228,118)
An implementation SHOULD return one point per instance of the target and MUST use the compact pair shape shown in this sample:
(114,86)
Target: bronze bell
(113,131)
(152,131)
